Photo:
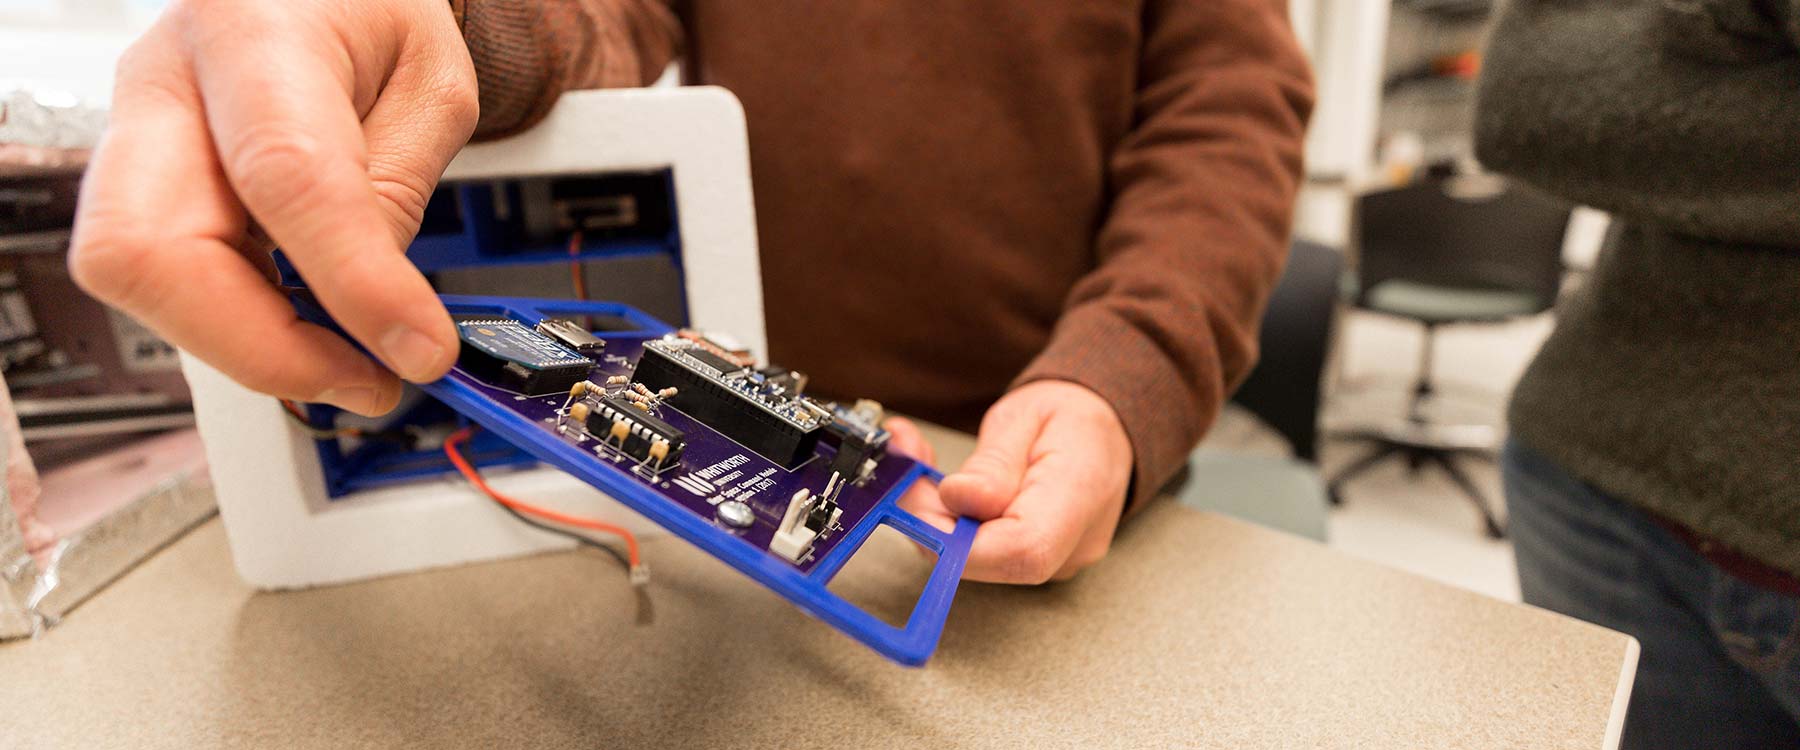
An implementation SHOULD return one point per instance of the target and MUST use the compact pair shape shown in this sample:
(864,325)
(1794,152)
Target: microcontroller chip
(724,395)
(635,432)
(505,353)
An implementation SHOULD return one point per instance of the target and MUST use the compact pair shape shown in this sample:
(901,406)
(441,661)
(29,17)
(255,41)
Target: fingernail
(356,399)
(412,354)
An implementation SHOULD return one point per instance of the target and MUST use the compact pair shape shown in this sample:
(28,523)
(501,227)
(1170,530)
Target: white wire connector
(640,574)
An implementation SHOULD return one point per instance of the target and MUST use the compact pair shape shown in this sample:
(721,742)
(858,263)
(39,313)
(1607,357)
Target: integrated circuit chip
(637,433)
(782,427)
(504,352)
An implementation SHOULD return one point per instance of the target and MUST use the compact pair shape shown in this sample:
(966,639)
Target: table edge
(1615,720)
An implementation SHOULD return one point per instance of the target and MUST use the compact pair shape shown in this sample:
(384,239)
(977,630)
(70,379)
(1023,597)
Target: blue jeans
(1718,668)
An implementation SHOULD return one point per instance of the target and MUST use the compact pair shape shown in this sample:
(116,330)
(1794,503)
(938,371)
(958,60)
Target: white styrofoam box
(285,532)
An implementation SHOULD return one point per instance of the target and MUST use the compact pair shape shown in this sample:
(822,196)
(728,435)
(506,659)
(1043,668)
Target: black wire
(581,539)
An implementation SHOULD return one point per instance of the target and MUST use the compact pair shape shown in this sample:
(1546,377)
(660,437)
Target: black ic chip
(635,432)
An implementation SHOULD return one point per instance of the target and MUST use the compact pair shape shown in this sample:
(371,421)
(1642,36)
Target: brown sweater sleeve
(528,53)
(1203,190)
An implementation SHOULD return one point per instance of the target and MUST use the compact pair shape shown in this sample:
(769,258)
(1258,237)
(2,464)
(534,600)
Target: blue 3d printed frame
(521,429)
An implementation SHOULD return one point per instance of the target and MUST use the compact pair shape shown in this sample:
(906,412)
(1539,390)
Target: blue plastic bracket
(910,645)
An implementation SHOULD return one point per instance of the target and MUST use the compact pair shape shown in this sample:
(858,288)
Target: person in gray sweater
(1653,473)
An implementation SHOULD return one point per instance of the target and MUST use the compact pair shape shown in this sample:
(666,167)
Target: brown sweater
(956,197)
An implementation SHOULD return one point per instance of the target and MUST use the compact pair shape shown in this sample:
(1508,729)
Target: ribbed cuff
(526,54)
(1164,415)
(518,76)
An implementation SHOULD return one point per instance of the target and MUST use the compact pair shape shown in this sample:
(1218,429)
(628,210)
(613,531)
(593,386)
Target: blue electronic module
(503,351)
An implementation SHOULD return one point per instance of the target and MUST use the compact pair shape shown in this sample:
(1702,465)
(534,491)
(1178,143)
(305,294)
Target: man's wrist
(1162,406)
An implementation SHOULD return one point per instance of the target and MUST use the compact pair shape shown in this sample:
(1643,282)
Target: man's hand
(1047,479)
(327,124)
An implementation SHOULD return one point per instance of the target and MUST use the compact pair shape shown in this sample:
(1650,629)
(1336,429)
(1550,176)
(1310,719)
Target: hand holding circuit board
(330,167)
(1048,479)
(1048,449)
(734,458)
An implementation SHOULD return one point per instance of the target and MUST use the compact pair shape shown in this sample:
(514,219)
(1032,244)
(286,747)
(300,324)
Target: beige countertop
(1197,631)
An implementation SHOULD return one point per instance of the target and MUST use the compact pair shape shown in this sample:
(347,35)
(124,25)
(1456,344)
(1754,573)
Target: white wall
(68,46)
(1348,51)
(1347,40)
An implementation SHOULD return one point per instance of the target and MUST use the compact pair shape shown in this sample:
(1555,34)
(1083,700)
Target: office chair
(1448,251)
(1283,392)
(1284,389)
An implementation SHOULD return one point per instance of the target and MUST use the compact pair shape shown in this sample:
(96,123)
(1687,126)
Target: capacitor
(579,412)
(736,514)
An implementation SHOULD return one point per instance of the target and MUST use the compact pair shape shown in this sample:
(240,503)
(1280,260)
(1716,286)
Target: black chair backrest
(1284,388)
(1473,232)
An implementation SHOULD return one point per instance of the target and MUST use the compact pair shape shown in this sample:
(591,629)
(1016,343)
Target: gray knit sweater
(1673,378)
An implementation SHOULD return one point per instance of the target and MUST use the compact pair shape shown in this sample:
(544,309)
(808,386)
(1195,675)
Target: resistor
(668,392)
(618,380)
(639,387)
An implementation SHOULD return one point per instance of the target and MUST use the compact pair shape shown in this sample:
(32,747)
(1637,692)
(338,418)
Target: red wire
(461,436)
(321,433)
(575,276)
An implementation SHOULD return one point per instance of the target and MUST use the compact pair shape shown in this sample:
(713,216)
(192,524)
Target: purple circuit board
(682,471)
(713,468)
